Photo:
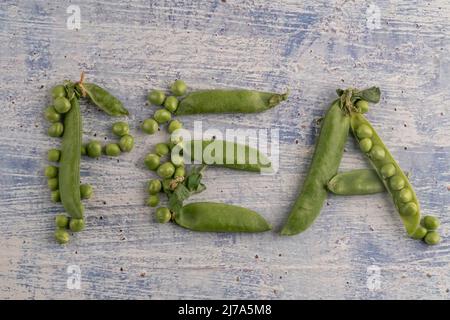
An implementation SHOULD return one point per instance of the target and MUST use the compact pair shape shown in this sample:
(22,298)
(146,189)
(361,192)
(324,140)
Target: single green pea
(388,170)
(62,105)
(86,191)
(152,161)
(166,184)
(431,223)
(126,143)
(377,153)
(174,125)
(94,149)
(420,233)
(405,195)
(55,196)
(162,115)
(62,236)
(150,126)
(409,209)
(154,186)
(83,150)
(179,172)
(53,184)
(62,221)
(120,128)
(53,155)
(51,115)
(51,171)
(56,130)
(76,225)
(112,150)
(397,182)
(364,131)
(178,88)
(58,91)
(166,170)
(365,145)
(163,215)
(176,138)
(171,104)
(161,149)
(156,97)
(362,105)
(153,200)
(432,238)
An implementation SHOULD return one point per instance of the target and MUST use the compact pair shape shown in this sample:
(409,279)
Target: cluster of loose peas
(170,170)
(94,148)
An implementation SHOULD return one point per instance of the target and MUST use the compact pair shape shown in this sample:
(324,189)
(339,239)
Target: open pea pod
(390,173)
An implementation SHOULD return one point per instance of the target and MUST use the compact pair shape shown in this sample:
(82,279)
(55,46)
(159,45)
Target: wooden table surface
(356,249)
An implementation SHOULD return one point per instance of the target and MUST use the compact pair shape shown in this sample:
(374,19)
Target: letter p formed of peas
(74,20)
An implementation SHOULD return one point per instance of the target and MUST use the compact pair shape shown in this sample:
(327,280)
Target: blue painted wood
(356,249)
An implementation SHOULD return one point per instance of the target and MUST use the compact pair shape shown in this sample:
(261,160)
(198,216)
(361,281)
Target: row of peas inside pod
(395,181)
(66,122)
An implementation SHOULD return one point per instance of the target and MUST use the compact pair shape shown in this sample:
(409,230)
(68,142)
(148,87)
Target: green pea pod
(220,217)
(388,170)
(356,182)
(69,170)
(101,98)
(324,165)
(228,101)
(239,157)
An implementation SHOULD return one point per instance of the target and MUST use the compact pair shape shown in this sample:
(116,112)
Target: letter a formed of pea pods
(346,113)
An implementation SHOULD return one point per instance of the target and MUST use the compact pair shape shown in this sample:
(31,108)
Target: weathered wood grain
(311,47)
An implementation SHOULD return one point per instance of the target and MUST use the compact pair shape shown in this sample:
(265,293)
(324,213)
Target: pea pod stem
(394,179)
(219,217)
(69,170)
(228,101)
